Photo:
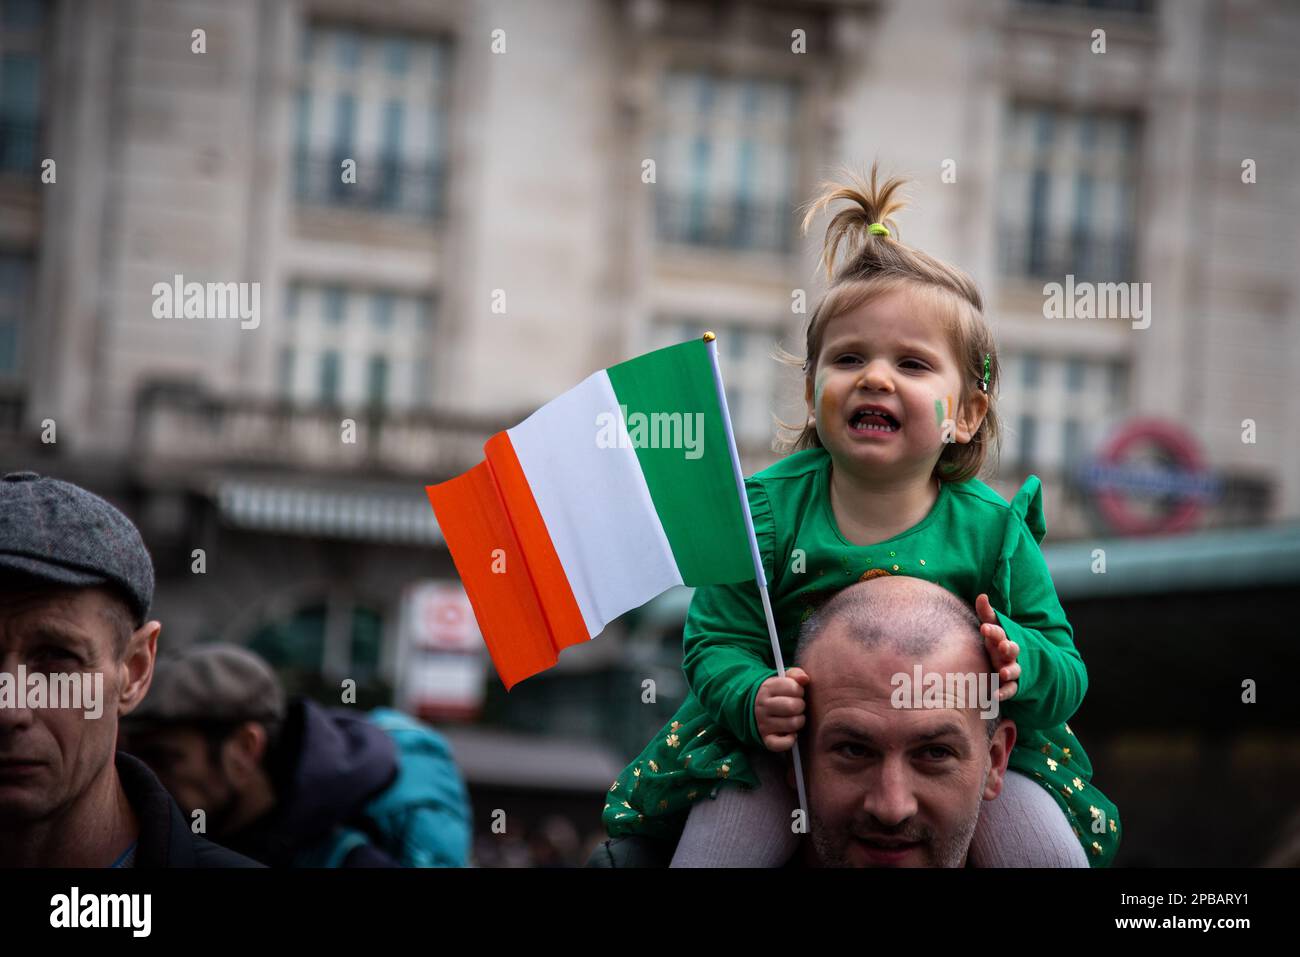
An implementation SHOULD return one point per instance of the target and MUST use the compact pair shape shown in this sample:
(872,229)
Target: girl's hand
(1002,651)
(779,707)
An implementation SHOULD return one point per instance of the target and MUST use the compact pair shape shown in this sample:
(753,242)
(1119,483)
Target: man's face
(187,768)
(890,787)
(49,756)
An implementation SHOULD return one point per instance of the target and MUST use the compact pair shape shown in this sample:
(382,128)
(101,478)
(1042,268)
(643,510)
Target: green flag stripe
(667,395)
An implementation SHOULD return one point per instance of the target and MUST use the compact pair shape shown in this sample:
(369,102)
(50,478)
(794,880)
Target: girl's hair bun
(870,202)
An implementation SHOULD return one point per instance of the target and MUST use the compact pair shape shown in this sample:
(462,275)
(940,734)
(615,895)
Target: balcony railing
(383,185)
(735,224)
(181,429)
(1087,256)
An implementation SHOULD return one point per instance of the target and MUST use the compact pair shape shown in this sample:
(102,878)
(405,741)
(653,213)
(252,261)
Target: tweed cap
(58,533)
(212,682)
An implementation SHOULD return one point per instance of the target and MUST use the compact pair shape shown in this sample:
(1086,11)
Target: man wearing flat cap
(76,583)
(292,783)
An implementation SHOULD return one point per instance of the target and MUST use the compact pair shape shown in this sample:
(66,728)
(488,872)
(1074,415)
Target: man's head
(890,785)
(76,583)
(212,718)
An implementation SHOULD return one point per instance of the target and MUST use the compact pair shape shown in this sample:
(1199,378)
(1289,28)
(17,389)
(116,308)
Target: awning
(1215,560)
(389,513)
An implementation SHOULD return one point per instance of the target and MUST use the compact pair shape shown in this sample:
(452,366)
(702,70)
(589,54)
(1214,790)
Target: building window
(15,292)
(370,347)
(1029,371)
(1074,372)
(1109,6)
(1071,447)
(381,310)
(1062,418)
(1117,381)
(748,371)
(377,382)
(329,377)
(381,101)
(21,27)
(286,373)
(335,301)
(22,14)
(727,174)
(1068,196)
(1028,441)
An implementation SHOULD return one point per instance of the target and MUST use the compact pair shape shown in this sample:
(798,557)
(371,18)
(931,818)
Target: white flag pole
(759,574)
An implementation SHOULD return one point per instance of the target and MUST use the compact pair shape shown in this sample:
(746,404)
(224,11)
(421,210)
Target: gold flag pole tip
(709,336)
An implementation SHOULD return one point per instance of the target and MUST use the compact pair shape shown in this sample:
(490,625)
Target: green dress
(972,541)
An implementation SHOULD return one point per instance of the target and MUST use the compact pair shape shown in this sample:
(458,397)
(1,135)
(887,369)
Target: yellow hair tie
(878,229)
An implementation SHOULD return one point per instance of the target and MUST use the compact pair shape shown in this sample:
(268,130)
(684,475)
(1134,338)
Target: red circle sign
(1182,480)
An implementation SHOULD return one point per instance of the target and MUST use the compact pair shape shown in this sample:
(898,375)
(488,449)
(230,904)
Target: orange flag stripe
(550,581)
(528,612)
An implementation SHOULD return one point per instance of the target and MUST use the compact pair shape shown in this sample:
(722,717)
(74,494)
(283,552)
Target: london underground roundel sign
(1149,479)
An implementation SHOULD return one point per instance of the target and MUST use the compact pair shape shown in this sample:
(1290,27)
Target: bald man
(891,784)
(894,779)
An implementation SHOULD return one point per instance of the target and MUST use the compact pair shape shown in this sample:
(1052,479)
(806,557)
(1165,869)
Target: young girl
(901,380)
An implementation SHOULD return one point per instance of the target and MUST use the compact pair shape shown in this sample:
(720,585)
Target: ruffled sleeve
(760,509)
(1025,514)
(1053,679)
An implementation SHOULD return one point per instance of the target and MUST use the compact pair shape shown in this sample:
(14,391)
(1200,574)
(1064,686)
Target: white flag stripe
(596,504)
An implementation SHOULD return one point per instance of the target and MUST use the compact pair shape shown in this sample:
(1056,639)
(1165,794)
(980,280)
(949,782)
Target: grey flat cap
(56,532)
(214,682)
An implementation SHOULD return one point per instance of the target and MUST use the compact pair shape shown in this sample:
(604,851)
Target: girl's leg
(742,828)
(1024,827)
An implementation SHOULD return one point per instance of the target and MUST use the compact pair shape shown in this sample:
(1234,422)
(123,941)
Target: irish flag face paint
(818,387)
(561,529)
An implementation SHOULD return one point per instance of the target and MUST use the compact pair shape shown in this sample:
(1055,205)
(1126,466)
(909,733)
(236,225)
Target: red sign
(1149,479)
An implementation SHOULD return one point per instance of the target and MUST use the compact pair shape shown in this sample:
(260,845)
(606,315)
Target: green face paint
(938,413)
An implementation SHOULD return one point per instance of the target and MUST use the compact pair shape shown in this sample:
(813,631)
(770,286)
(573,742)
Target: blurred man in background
(291,783)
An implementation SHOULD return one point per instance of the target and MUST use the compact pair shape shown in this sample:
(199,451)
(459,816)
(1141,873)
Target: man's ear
(971,414)
(1004,739)
(137,664)
(242,752)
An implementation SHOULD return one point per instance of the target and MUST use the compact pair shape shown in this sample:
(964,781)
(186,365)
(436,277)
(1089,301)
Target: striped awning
(398,514)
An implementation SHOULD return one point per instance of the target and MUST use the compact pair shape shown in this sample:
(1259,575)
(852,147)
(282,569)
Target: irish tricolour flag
(600,500)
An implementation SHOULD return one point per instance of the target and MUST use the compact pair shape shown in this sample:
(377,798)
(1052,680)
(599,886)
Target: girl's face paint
(942,410)
(818,387)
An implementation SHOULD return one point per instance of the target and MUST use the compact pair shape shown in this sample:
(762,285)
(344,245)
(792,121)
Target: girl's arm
(726,652)
(1053,678)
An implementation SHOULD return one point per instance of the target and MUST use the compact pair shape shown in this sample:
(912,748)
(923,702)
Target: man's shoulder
(165,839)
(209,855)
(974,493)
(789,487)
(798,465)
